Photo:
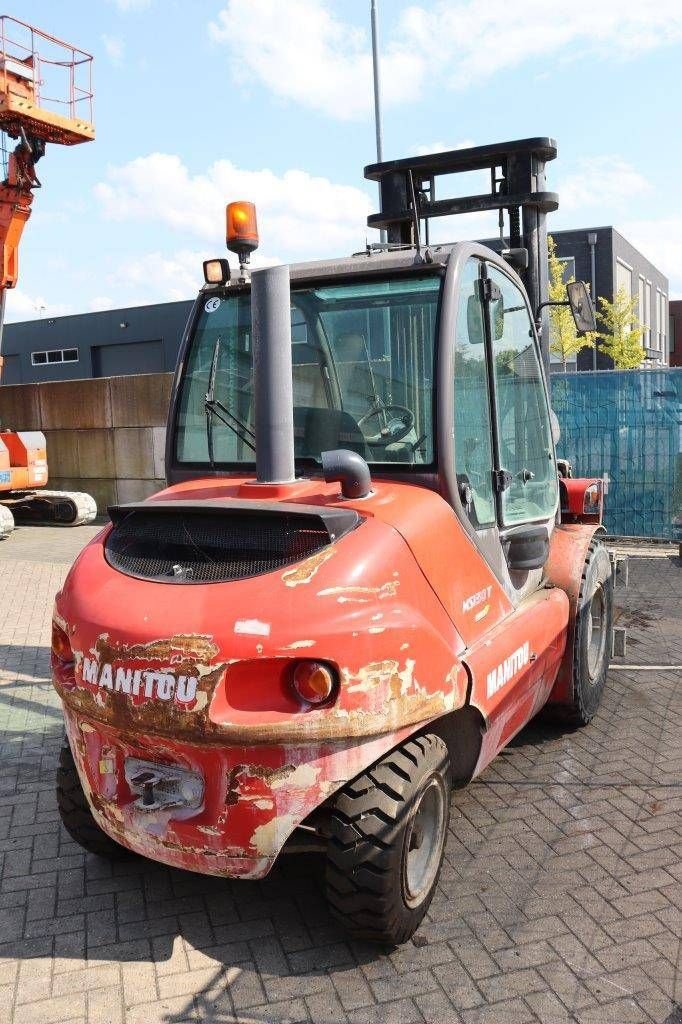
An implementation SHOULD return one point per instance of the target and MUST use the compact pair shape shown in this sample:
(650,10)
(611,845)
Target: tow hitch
(162,786)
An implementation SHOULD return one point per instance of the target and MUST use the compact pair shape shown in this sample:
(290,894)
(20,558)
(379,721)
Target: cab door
(506,493)
(500,466)
(525,473)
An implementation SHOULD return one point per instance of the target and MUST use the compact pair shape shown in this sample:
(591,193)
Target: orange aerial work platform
(45,85)
(45,97)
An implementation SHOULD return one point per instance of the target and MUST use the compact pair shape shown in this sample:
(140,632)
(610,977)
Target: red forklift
(366,573)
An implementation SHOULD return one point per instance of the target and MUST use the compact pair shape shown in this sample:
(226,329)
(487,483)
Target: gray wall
(148,343)
(106,437)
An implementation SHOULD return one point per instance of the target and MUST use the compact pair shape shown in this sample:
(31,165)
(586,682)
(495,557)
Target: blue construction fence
(626,426)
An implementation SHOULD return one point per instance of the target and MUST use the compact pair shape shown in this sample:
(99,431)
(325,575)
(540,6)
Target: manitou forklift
(45,96)
(365,575)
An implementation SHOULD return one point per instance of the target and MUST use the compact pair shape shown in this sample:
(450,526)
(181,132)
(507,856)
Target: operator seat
(354,373)
(319,430)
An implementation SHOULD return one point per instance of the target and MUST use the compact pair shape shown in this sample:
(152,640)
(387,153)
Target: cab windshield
(363,367)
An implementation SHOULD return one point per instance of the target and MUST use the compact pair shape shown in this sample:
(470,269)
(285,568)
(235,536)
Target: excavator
(33,65)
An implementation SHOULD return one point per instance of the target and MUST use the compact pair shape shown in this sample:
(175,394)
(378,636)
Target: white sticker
(212,305)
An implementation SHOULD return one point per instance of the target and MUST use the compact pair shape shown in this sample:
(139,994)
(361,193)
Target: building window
(642,313)
(624,278)
(671,335)
(662,318)
(647,314)
(54,355)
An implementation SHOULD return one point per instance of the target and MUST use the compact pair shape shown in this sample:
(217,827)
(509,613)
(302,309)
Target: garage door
(134,357)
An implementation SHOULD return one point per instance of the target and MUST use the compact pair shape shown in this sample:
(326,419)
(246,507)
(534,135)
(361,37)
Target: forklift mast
(407,191)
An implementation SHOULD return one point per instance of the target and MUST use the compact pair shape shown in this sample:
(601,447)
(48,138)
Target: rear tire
(387,839)
(592,636)
(75,812)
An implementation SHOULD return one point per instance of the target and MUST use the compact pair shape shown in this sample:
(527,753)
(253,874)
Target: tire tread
(365,839)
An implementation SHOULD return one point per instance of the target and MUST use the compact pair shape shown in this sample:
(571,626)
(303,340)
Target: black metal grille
(183,546)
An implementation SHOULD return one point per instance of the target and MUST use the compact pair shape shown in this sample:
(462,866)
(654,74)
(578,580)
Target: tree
(563,336)
(621,334)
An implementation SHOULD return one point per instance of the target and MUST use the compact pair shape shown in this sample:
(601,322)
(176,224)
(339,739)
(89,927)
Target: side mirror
(475,320)
(582,308)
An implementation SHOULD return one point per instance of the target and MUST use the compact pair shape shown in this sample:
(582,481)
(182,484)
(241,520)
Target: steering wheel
(398,421)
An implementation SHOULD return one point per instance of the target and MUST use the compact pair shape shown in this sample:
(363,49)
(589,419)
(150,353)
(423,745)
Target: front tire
(387,839)
(75,812)
(592,635)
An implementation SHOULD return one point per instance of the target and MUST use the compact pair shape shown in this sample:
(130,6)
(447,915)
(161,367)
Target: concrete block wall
(105,436)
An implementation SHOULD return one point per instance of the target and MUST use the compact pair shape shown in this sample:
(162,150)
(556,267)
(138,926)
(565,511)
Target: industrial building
(140,339)
(607,262)
(145,339)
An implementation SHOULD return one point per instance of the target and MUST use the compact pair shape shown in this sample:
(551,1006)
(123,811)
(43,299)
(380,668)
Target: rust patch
(162,718)
(232,794)
(304,571)
(381,673)
(190,646)
(271,775)
(361,595)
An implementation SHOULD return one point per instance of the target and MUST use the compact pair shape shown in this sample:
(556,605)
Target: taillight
(314,681)
(61,647)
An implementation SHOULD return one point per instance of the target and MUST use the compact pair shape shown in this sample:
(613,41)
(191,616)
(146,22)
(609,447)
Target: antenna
(377,94)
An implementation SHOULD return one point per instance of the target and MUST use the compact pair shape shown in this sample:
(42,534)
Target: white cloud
(303,51)
(22,306)
(471,41)
(299,215)
(113,47)
(660,240)
(160,277)
(608,182)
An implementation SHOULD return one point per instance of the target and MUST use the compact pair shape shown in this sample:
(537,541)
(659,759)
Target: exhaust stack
(273,387)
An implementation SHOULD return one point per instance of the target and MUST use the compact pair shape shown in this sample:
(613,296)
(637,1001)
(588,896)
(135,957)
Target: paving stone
(560,898)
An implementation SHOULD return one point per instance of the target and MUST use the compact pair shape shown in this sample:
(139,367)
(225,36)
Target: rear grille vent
(196,545)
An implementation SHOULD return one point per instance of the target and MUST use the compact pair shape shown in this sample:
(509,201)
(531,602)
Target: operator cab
(363,354)
(423,361)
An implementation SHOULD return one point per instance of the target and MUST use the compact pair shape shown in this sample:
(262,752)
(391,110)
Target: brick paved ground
(560,899)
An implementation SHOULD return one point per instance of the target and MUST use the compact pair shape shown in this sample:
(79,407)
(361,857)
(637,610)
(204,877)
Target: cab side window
(473,432)
(523,426)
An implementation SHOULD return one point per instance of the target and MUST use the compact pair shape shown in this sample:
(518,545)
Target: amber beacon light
(241,229)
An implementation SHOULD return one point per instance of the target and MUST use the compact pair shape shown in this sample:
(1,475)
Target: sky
(200,103)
